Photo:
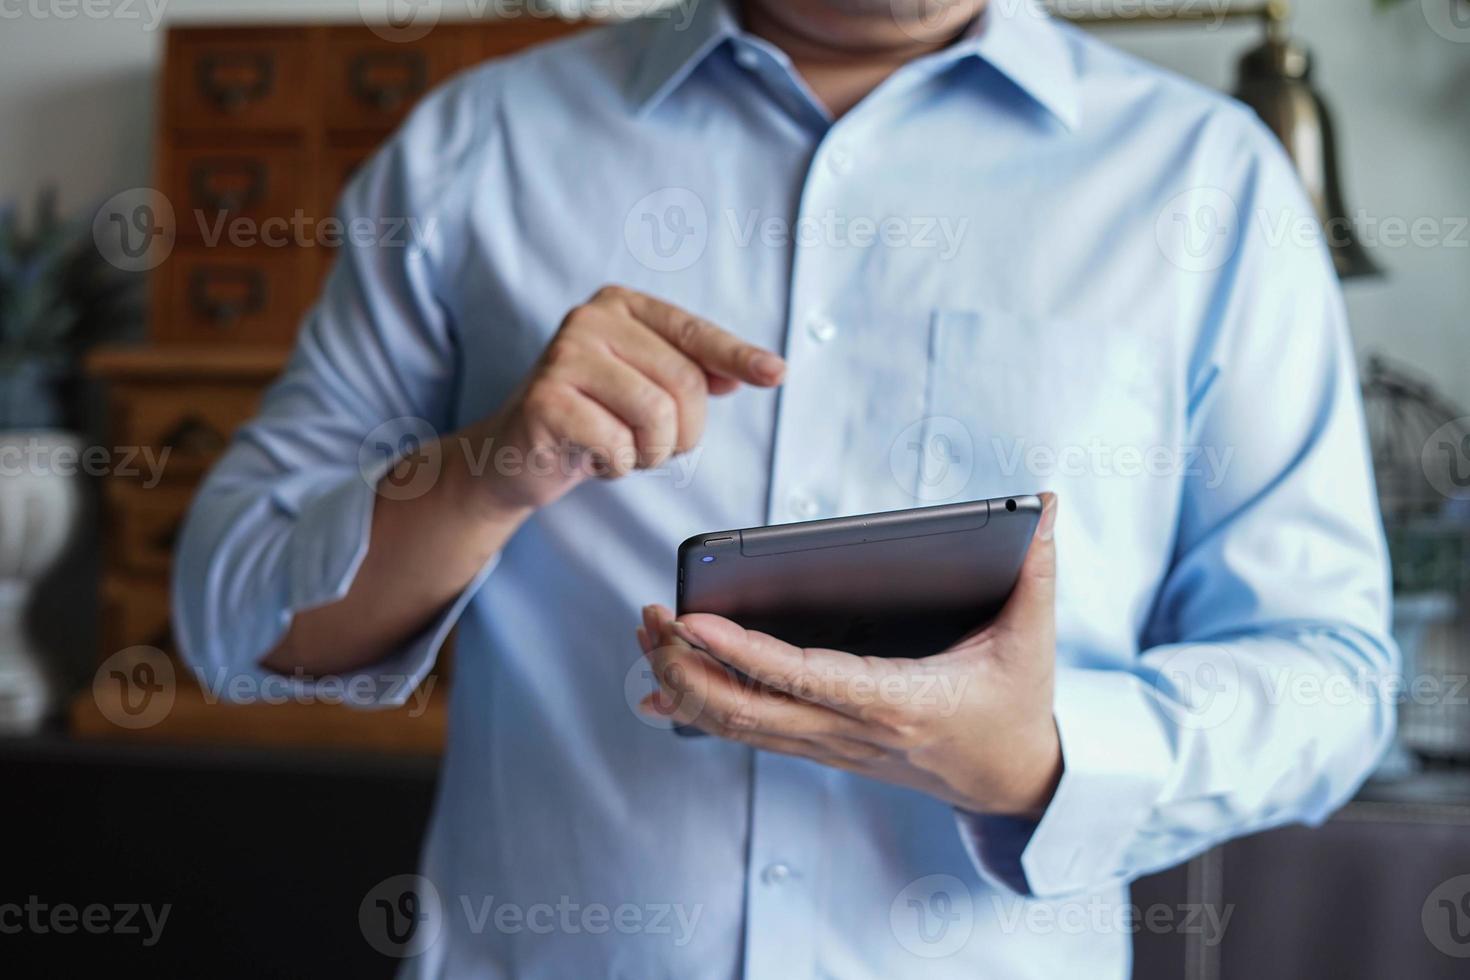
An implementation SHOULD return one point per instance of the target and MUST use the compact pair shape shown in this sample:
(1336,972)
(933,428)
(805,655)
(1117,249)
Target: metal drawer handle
(383,94)
(232,94)
(225,311)
(194,436)
(205,179)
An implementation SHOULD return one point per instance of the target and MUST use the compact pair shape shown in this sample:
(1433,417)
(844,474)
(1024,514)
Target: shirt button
(803,506)
(839,160)
(821,328)
(746,58)
(776,874)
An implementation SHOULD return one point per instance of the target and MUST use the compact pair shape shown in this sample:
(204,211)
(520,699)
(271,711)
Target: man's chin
(874,24)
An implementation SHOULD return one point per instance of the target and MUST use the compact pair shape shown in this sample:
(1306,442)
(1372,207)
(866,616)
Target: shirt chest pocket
(1015,404)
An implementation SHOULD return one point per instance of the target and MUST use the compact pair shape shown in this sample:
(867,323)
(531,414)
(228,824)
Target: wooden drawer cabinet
(214,185)
(240,79)
(191,425)
(261,130)
(236,296)
(183,402)
(371,84)
(340,162)
(135,612)
(145,521)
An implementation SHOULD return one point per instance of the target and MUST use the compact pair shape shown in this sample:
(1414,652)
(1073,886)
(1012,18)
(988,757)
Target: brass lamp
(1275,80)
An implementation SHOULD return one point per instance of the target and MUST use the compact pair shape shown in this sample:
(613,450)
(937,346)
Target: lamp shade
(1275,81)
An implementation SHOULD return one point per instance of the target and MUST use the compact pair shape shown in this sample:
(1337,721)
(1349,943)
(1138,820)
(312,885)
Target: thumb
(1031,609)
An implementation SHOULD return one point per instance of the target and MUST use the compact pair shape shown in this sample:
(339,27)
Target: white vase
(40,502)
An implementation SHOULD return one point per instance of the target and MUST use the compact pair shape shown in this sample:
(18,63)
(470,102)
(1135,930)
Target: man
(995,257)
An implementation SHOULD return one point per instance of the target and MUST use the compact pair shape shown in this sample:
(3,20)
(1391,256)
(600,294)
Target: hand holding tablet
(970,722)
(901,584)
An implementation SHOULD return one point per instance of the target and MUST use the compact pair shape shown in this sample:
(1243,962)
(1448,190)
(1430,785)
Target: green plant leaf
(58,296)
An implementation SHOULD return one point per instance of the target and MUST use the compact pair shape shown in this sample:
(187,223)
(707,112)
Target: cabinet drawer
(191,421)
(371,84)
(135,612)
(143,523)
(227,295)
(243,79)
(218,184)
(340,164)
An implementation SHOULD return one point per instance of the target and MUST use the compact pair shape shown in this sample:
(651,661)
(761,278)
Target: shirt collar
(683,36)
(1017,39)
(1022,42)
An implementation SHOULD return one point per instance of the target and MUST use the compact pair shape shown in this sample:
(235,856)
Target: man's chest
(986,324)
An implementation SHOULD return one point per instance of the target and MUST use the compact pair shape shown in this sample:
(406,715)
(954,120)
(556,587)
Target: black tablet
(901,584)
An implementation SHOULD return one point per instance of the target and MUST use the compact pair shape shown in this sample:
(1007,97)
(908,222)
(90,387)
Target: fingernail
(1048,525)
(647,707)
(661,702)
(686,634)
(768,366)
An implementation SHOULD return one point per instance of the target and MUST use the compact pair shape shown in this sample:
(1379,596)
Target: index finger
(717,351)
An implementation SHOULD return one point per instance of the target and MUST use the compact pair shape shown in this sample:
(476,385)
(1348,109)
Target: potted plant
(58,297)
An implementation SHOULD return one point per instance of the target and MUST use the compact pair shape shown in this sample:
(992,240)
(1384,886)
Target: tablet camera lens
(1011,506)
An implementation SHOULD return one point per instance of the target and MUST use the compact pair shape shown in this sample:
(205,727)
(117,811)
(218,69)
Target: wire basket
(1421,458)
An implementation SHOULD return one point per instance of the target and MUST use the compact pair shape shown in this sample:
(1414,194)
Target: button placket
(840,159)
(821,328)
(777,874)
(807,468)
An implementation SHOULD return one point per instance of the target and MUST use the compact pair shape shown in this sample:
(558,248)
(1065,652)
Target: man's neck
(842,55)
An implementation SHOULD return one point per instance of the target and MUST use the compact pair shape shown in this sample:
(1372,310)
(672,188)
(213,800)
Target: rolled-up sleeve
(281,524)
(1263,694)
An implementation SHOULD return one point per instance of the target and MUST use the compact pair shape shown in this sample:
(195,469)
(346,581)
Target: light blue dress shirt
(1028,262)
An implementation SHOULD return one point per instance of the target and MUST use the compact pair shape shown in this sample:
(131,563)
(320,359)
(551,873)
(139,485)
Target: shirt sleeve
(281,524)
(1262,695)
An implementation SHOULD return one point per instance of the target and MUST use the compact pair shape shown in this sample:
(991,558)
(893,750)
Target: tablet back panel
(902,584)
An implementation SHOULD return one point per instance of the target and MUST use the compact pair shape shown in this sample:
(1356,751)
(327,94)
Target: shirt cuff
(1116,757)
(995,845)
(328,542)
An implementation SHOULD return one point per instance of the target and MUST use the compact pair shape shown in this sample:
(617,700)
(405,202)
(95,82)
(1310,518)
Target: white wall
(1400,92)
(77,96)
